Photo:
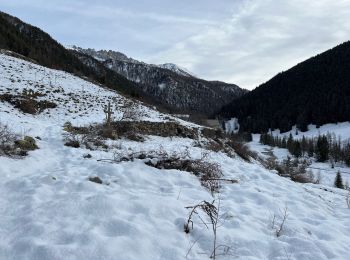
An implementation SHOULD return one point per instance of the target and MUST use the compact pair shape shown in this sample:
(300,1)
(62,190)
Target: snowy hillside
(341,130)
(324,171)
(77,100)
(49,209)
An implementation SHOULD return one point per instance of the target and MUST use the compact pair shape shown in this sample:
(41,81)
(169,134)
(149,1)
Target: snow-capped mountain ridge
(175,68)
(168,84)
(105,55)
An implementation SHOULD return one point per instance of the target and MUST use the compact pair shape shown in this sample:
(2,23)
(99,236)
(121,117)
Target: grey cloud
(240,41)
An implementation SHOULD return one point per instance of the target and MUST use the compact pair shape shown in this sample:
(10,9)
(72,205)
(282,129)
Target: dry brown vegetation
(12,145)
(27,103)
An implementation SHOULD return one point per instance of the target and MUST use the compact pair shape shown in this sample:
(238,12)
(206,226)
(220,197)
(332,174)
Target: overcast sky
(245,42)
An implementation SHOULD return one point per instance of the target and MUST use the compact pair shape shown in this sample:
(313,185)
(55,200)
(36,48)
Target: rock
(96,180)
(72,143)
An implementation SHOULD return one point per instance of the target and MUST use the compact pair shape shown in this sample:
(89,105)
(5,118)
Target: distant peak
(177,69)
(103,55)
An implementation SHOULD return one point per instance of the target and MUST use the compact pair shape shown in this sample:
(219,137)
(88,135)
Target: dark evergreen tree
(338,182)
(290,142)
(322,151)
(302,123)
(315,91)
(296,149)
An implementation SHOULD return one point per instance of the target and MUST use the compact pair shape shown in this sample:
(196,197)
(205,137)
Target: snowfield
(50,210)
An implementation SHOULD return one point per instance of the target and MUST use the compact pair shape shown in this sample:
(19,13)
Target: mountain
(179,70)
(33,43)
(121,197)
(316,91)
(169,85)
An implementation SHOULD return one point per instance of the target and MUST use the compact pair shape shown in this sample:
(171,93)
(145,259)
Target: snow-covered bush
(11,144)
(209,173)
(28,143)
(6,136)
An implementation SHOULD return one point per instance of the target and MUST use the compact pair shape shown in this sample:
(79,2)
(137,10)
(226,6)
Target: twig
(189,250)
(280,227)
(220,179)
(178,196)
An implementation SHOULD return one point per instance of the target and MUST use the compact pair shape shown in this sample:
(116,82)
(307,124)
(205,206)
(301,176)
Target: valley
(107,157)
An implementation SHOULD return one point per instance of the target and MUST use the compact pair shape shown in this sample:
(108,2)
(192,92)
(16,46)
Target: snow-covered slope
(78,100)
(49,209)
(324,171)
(341,130)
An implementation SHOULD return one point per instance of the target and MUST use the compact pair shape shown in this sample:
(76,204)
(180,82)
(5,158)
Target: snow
(162,86)
(340,130)
(327,173)
(232,126)
(324,170)
(79,101)
(50,210)
(175,68)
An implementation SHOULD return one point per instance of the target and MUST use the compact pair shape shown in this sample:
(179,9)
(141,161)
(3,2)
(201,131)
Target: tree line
(316,91)
(323,147)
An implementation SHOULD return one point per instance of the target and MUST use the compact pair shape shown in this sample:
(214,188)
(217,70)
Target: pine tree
(322,149)
(303,145)
(338,182)
(290,142)
(296,149)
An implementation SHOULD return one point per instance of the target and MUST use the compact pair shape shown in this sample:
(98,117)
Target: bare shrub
(211,133)
(105,131)
(242,150)
(212,214)
(209,173)
(270,163)
(318,178)
(208,208)
(28,106)
(7,140)
(210,217)
(214,146)
(6,136)
(347,199)
(131,111)
(293,169)
(27,103)
(72,143)
(133,136)
(93,136)
(77,136)
(278,222)
(307,177)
